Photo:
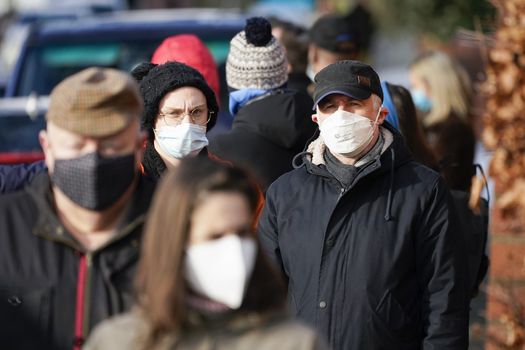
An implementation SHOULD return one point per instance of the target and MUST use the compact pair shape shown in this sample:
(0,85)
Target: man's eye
(196,112)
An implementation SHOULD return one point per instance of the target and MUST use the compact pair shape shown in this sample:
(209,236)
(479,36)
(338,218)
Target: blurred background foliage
(439,18)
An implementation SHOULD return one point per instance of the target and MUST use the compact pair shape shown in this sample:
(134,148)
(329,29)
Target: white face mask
(220,269)
(183,140)
(347,133)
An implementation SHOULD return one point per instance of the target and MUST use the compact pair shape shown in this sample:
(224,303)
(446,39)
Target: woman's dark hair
(410,126)
(160,283)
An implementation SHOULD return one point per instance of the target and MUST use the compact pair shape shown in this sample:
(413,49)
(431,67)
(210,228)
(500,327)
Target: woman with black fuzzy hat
(179,108)
(272,123)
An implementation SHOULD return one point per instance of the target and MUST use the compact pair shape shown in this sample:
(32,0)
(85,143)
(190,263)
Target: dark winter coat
(267,133)
(378,265)
(52,291)
(453,143)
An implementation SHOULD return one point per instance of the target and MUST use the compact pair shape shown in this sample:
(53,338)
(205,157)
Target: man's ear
(314,118)
(312,54)
(43,138)
(382,115)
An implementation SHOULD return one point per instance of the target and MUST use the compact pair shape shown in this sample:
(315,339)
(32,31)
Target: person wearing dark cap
(364,235)
(69,242)
(332,38)
(179,108)
(271,123)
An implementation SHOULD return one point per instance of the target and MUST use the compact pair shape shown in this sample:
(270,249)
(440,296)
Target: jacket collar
(49,227)
(317,149)
(314,162)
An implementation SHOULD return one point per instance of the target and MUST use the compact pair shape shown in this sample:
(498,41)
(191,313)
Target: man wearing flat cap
(69,241)
(364,235)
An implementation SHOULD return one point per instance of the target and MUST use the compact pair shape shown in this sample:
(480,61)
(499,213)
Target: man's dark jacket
(267,133)
(378,265)
(40,267)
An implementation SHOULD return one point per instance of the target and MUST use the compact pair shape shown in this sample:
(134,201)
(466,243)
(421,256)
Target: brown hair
(410,126)
(160,283)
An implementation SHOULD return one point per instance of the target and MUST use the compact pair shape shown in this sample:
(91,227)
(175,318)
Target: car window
(19,133)
(47,66)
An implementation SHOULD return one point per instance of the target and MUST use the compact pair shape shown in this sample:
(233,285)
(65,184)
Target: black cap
(335,34)
(351,78)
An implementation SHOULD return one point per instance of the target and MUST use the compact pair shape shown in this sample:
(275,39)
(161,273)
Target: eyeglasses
(198,116)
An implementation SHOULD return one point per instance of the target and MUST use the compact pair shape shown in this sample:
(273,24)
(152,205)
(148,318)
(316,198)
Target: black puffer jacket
(267,133)
(378,265)
(53,292)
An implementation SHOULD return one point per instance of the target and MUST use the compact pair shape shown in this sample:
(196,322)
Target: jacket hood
(283,117)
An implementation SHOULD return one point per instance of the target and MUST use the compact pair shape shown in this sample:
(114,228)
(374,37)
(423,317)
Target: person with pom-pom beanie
(272,124)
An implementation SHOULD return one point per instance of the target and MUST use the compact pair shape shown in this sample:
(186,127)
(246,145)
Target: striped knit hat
(256,59)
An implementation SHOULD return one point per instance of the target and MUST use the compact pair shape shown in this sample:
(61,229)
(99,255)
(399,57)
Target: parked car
(21,119)
(17,29)
(54,50)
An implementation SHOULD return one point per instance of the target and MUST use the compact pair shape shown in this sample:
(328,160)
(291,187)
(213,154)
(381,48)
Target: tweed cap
(95,102)
(256,59)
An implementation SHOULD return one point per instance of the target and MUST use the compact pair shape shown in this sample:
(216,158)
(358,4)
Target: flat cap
(95,102)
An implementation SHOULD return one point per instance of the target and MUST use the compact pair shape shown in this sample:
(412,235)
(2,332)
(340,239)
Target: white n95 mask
(347,133)
(183,140)
(221,269)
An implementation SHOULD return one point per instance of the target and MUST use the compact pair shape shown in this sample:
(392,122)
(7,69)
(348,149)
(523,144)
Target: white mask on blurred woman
(221,269)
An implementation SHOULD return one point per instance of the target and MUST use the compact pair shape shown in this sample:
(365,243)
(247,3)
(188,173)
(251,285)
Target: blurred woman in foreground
(202,279)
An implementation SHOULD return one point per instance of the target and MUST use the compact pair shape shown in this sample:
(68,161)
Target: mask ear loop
(371,134)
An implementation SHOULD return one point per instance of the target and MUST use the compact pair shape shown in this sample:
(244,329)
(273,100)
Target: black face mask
(92,181)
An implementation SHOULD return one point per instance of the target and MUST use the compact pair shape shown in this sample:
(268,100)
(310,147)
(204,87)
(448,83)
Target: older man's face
(367,108)
(59,143)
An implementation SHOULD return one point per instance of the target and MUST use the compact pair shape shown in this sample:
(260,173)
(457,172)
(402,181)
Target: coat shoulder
(119,333)
(290,179)
(293,334)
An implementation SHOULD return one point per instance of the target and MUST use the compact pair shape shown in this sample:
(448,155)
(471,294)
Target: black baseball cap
(334,33)
(351,78)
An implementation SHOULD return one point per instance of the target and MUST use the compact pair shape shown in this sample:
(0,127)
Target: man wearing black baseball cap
(332,38)
(365,236)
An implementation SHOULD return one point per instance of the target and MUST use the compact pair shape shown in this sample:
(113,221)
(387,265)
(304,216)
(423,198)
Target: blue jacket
(15,177)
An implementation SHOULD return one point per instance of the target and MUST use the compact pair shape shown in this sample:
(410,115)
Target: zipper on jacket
(83,297)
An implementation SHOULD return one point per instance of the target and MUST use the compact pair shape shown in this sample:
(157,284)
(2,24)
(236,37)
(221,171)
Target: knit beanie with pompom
(256,59)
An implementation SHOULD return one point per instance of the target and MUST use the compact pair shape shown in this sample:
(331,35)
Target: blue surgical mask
(421,101)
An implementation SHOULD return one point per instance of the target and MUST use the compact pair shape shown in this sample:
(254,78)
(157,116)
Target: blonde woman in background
(442,92)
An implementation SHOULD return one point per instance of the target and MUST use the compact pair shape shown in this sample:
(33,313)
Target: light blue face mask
(421,101)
